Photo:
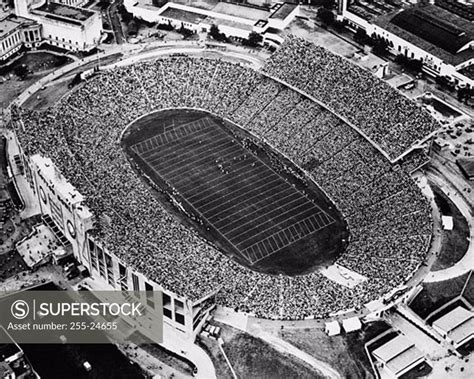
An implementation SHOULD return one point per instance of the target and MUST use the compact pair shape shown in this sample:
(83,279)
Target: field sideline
(257,212)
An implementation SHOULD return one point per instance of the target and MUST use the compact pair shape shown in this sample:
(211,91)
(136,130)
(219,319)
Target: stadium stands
(389,219)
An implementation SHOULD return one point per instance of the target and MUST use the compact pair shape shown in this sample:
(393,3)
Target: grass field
(454,242)
(345,353)
(253,358)
(434,295)
(242,200)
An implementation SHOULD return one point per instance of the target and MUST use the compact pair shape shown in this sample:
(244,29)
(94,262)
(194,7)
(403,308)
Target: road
(115,23)
(467,262)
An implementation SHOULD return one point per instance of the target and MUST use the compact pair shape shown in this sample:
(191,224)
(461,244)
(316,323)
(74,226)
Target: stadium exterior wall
(59,201)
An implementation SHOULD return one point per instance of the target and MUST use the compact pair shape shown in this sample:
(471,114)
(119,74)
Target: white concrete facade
(17,32)
(76,32)
(230,25)
(61,204)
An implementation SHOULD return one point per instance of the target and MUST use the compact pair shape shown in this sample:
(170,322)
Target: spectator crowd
(388,218)
(382,113)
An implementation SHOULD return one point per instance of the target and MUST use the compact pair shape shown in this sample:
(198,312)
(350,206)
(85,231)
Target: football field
(247,203)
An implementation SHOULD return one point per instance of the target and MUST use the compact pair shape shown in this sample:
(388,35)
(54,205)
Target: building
(447,222)
(438,33)
(234,20)
(13,362)
(63,211)
(457,326)
(16,32)
(351,324)
(397,356)
(466,166)
(68,27)
(333,328)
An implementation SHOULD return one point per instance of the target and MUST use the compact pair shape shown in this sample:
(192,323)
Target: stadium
(224,185)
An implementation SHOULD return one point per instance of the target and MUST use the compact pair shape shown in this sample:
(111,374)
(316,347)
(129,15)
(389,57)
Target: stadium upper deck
(388,119)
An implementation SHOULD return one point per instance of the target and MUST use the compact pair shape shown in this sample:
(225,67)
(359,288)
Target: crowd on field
(388,218)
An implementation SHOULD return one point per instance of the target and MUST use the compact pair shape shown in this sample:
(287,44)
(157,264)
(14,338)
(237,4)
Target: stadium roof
(398,354)
(433,29)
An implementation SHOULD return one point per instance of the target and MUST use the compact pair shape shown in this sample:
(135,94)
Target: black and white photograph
(236,189)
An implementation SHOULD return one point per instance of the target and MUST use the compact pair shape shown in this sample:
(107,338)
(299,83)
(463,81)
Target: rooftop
(463,10)
(435,30)
(182,15)
(369,10)
(405,359)
(7,26)
(249,13)
(398,353)
(462,332)
(229,23)
(65,13)
(282,11)
(9,23)
(468,71)
(393,348)
(453,319)
(437,26)
(467,166)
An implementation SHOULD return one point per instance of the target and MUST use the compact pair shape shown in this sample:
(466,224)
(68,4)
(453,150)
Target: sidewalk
(466,264)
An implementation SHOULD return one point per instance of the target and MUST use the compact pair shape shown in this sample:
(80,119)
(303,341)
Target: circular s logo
(20,309)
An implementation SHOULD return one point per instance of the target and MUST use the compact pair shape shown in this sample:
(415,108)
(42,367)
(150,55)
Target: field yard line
(254,204)
(271,203)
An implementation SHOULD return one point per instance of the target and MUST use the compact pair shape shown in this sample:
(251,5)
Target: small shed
(333,328)
(351,324)
(447,222)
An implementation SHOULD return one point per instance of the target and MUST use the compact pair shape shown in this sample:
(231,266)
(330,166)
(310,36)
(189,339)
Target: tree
(126,15)
(464,94)
(254,39)
(360,36)
(328,4)
(21,71)
(76,80)
(326,16)
(185,31)
(380,46)
(214,33)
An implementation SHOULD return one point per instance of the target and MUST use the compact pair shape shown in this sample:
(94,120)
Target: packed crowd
(383,114)
(388,219)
